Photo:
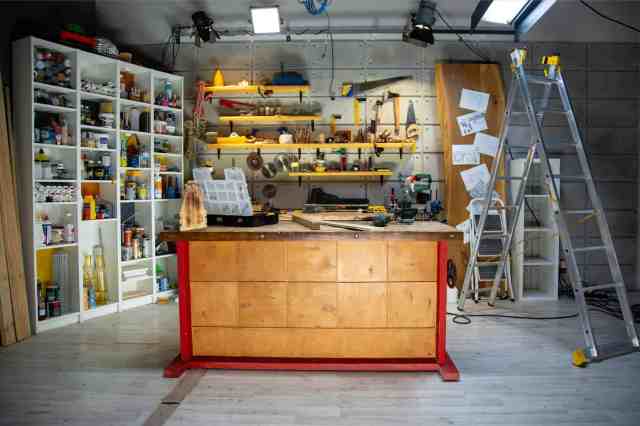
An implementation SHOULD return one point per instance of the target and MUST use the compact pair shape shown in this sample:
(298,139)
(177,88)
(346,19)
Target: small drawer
(413,261)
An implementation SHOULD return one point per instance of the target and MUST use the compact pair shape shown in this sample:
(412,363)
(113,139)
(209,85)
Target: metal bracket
(400,153)
(359,153)
(219,150)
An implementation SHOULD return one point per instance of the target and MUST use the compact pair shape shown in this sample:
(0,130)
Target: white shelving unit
(149,213)
(536,245)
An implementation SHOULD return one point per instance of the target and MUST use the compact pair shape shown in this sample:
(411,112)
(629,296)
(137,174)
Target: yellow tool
(579,359)
(332,123)
(552,63)
(518,57)
(218,78)
(357,113)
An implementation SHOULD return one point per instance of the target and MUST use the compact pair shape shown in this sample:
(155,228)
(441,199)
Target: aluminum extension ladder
(494,234)
(537,148)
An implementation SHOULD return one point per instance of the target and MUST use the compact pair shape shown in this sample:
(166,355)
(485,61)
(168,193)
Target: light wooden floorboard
(108,371)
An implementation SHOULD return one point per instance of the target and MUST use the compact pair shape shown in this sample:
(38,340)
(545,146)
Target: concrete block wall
(603,79)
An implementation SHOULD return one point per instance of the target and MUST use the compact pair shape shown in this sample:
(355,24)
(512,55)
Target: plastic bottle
(157,186)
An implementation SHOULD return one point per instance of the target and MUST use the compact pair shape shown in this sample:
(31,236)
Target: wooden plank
(411,304)
(11,233)
(314,343)
(213,261)
(7,326)
(261,261)
(362,261)
(362,305)
(412,260)
(351,226)
(451,78)
(305,221)
(214,304)
(262,304)
(312,261)
(312,304)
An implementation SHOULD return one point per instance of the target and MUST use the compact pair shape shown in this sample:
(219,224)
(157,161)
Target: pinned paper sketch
(476,180)
(462,155)
(486,144)
(471,123)
(474,100)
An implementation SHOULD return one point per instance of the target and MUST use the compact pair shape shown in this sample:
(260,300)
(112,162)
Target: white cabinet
(73,121)
(536,245)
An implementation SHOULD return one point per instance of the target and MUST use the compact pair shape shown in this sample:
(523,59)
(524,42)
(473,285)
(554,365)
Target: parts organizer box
(225,197)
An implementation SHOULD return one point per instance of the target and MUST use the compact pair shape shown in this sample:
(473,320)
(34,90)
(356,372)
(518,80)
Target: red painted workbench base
(448,370)
(442,363)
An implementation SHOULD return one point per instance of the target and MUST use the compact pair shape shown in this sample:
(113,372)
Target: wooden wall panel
(362,305)
(262,304)
(311,261)
(311,343)
(312,305)
(362,261)
(215,304)
(412,261)
(261,261)
(213,261)
(411,304)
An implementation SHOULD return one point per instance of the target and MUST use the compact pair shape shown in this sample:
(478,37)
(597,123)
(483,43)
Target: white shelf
(129,102)
(139,169)
(52,108)
(167,154)
(97,128)
(168,109)
(47,145)
(166,256)
(55,180)
(100,68)
(56,246)
(85,148)
(170,173)
(167,199)
(96,96)
(52,88)
(135,262)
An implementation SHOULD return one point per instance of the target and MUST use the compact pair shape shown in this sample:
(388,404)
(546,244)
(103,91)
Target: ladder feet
(579,359)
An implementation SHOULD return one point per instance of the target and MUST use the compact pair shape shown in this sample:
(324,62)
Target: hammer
(332,123)
(396,111)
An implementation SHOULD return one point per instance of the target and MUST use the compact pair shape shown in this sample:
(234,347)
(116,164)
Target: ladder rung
(602,286)
(509,178)
(610,350)
(589,248)
(488,263)
(541,80)
(565,177)
(542,112)
(579,212)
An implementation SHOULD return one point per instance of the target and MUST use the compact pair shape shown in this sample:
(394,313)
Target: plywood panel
(214,304)
(451,78)
(412,260)
(362,305)
(311,261)
(261,261)
(310,343)
(213,261)
(411,304)
(362,261)
(312,305)
(262,304)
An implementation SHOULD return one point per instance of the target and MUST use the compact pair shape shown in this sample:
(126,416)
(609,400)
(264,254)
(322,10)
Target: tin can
(127,253)
(127,237)
(137,253)
(69,233)
(47,230)
(147,248)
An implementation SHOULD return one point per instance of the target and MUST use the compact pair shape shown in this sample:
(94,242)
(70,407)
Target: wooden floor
(108,371)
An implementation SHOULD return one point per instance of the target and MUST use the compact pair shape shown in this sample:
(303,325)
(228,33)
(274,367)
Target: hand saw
(352,89)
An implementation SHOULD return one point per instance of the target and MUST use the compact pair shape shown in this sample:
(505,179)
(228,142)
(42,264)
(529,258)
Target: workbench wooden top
(429,231)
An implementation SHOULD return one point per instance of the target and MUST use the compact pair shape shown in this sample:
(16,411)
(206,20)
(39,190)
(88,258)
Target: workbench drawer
(362,261)
(413,261)
(312,261)
(314,343)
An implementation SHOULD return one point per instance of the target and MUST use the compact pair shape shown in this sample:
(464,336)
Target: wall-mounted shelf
(256,89)
(267,118)
(376,173)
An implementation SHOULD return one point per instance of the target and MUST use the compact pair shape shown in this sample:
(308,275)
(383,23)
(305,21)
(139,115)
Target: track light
(203,26)
(421,31)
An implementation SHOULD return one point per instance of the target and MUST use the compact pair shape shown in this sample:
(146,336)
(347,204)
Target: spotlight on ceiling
(420,32)
(203,26)
(265,20)
(522,15)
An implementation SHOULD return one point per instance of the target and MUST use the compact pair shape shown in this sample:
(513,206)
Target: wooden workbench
(286,297)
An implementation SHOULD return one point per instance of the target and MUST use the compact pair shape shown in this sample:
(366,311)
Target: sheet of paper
(465,228)
(476,178)
(474,100)
(486,144)
(462,155)
(471,123)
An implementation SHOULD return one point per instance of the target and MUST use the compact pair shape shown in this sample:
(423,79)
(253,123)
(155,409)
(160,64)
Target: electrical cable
(333,66)
(462,39)
(310,5)
(465,319)
(608,18)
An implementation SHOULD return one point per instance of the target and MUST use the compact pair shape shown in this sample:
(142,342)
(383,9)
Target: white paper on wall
(471,123)
(474,100)
(486,144)
(465,228)
(462,155)
(476,178)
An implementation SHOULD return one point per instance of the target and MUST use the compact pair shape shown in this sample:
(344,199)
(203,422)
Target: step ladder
(490,249)
(538,148)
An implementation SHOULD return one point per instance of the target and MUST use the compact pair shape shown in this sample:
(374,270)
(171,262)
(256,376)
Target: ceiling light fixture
(265,20)
(421,31)
(522,15)
(203,28)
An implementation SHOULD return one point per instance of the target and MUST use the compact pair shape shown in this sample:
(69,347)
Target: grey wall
(602,78)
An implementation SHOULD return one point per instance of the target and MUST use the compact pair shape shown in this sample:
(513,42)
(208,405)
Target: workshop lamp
(522,15)
(265,20)
(421,31)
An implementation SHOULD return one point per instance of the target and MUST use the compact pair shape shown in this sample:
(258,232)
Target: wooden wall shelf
(256,89)
(268,118)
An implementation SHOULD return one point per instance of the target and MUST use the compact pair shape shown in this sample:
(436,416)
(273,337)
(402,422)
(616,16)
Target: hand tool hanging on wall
(412,129)
(332,124)
(351,89)
(396,112)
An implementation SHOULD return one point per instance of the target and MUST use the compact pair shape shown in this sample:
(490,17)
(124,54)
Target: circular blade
(254,161)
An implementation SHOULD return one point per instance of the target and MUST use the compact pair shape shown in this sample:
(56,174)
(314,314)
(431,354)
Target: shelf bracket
(400,152)
(258,150)
(381,180)
(219,150)
(317,153)
(300,95)
(299,154)
(359,153)
(313,125)
(299,180)
(231,126)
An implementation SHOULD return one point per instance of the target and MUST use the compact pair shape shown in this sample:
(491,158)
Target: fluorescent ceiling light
(265,20)
(503,11)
